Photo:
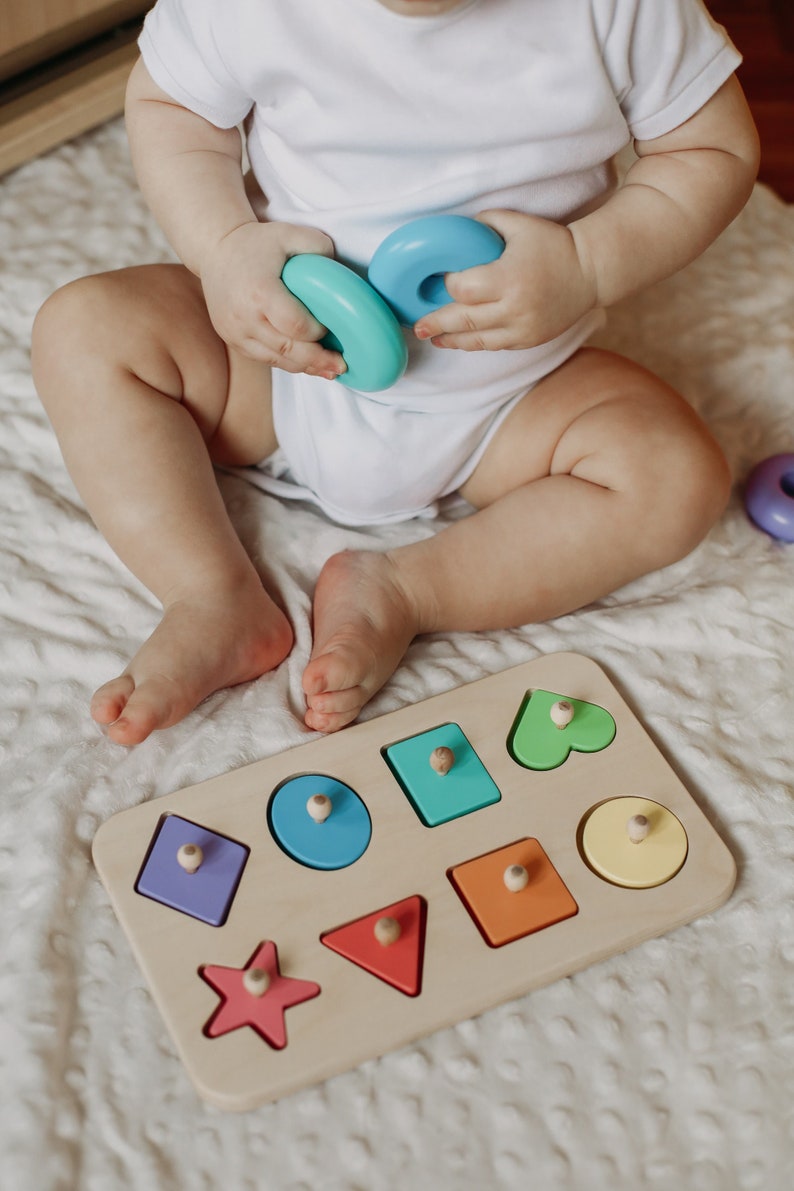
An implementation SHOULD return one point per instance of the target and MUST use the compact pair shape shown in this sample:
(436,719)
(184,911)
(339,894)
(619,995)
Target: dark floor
(763,31)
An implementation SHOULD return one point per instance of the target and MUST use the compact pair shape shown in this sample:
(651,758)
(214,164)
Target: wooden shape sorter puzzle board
(298,916)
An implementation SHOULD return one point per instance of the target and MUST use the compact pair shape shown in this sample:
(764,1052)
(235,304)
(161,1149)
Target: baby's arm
(191,175)
(683,190)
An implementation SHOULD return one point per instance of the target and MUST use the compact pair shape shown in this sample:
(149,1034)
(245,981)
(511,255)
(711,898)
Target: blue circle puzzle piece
(360,324)
(206,894)
(408,267)
(335,843)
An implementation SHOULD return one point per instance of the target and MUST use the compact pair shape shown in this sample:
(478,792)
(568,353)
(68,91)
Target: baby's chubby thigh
(605,420)
(245,434)
(150,324)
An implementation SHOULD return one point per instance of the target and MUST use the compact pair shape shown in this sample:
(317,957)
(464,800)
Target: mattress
(668,1066)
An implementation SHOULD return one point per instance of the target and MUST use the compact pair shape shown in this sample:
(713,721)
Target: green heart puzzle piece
(536,742)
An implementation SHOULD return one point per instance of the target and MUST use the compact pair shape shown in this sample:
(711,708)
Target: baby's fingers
(290,318)
(468,328)
(288,338)
(478,285)
(292,355)
(473,341)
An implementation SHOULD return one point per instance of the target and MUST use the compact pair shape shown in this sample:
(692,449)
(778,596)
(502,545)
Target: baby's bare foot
(363,623)
(205,642)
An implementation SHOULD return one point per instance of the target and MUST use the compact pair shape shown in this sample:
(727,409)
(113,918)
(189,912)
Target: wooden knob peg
(638,828)
(190,857)
(256,981)
(442,759)
(319,807)
(387,931)
(516,878)
(561,713)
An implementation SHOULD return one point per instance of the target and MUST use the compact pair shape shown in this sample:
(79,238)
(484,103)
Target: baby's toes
(333,672)
(334,709)
(155,703)
(333,702)
(110,699)
(327,722)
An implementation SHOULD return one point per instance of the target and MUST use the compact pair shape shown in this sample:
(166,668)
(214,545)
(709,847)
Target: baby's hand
(537,289)
(251,308)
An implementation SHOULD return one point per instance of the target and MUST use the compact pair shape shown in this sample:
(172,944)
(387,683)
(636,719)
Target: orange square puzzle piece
(512,892)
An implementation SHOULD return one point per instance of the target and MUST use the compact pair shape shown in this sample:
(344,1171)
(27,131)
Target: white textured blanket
(671,1066)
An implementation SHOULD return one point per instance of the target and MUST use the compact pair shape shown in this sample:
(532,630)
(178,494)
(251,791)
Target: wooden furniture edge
(62,108)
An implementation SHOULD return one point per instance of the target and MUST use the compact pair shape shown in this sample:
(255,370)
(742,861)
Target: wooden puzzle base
(321,907)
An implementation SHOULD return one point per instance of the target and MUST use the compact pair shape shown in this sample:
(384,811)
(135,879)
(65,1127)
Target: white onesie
(362,119)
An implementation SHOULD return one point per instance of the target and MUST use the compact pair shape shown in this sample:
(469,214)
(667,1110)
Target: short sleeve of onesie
(666,58)
(364,117)
(180,49)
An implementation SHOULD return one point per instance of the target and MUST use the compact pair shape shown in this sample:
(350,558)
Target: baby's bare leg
(602,474)
(142,395)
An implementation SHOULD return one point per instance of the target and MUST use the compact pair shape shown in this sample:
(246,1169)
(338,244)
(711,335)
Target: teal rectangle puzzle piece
(438,797)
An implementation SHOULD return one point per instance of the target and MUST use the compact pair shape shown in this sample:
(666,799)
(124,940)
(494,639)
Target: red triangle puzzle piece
(399,963)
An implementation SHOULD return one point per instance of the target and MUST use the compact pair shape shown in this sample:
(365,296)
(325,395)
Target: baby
(583,471)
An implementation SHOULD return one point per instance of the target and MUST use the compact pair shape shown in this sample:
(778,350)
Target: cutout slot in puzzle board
(564,837)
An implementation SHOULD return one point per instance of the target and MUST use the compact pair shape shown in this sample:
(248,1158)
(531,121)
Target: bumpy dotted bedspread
(667,1067)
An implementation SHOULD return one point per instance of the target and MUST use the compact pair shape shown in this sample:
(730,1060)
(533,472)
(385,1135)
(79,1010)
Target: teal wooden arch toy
(360,324)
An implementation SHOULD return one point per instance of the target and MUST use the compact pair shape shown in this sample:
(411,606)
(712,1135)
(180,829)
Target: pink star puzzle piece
(256,996)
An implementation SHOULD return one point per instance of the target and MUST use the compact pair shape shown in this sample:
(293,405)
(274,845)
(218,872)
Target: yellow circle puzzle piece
(633,842)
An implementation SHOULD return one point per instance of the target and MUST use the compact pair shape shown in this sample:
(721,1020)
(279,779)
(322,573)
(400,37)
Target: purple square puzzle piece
(208,892)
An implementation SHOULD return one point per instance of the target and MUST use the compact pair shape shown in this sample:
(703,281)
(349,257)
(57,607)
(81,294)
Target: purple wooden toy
(769,496)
